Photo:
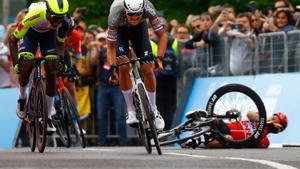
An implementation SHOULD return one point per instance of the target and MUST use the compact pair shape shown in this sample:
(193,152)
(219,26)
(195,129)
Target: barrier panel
(9,122)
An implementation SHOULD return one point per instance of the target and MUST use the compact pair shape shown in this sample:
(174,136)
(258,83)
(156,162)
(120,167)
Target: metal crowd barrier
(276,52)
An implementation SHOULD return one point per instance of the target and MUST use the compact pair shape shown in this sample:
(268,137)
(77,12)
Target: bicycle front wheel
(61,124)
(72,114)
(30,122)
(150,117)
(233,103)
(41,117)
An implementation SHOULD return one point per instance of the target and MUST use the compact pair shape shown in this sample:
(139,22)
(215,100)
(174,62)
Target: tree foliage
(97,10)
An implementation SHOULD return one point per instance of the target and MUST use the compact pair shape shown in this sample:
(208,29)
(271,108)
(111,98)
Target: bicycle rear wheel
(149,117)
(41,117)
(72,115)
(238,100)
(61,123)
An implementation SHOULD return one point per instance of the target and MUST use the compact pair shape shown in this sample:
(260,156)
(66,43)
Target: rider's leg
(25,67)
(150,83)
(27,49)
(124,77)
(47,46)
(70,81)
(50,68)
(142,47)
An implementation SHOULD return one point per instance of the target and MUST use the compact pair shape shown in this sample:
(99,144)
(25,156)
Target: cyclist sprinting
(41,26)
(127,22)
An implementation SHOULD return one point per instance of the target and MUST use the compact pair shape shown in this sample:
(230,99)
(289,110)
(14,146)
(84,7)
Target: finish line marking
(263,162)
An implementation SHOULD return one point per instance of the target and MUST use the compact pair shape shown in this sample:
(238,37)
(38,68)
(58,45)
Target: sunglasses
(134,13)
(197,26)
(182,32)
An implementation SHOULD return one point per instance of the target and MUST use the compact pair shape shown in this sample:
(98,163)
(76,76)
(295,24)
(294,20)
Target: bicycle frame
(136,80)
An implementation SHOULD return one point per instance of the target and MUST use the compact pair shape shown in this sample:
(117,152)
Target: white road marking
(98,149)
(264,162)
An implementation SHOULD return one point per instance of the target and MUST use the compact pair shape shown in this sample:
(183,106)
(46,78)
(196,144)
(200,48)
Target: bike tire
(61,123)
(173,138)
(150,116)
(30,122)
(258,133)
(144,137)
(72,115)
(41,117)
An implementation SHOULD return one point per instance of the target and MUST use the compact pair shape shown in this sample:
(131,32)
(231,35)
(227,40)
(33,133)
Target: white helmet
(134,6)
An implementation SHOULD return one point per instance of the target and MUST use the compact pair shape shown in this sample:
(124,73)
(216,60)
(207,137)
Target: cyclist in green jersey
(42,26)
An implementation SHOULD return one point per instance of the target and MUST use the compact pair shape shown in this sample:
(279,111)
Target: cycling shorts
(46,40)
(139,38)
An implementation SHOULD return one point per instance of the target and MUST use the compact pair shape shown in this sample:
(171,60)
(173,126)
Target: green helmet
(57,7)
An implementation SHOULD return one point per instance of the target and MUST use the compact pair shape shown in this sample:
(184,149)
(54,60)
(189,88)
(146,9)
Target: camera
(236,26)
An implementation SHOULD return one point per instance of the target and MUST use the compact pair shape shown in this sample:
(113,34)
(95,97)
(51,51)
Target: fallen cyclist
(240,130)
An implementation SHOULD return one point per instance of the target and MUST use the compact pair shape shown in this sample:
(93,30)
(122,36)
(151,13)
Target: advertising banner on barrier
(8,121)
(279,92)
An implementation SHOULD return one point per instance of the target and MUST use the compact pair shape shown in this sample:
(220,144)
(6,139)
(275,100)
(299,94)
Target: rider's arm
(157,27)
(162,42)
(13,47)
(111,53)
(31,18)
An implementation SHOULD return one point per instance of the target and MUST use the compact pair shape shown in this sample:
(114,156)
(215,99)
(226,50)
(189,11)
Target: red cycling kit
(73,44)
(244,129)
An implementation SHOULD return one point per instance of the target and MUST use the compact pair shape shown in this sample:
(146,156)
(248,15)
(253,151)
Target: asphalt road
(136,157)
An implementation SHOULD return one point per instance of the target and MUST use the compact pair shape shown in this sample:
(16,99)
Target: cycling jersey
(117,18)
(36,19)
(73,44)
(244,129)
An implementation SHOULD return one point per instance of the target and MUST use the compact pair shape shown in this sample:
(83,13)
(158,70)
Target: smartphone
(218,8)
(236,26)
(252,6)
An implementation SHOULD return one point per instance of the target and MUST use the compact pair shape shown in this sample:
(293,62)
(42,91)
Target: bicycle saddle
(196,114)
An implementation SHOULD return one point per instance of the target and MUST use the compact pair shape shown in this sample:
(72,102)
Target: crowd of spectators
(201,42)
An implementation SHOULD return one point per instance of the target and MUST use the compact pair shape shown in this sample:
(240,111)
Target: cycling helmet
(134,6)
(57,7)
(283,119)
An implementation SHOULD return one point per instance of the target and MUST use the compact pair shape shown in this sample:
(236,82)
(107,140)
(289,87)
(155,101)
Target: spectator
(196,24)
(200,40)
(166,88)
(4,62)
(217,44)
(241,44)
(173,24)
(256,23)
(86,78)
(283,21)
(109,96)
(283,4)
(10,28)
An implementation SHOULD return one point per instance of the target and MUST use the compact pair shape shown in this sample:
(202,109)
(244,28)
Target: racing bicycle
(230,104)
(146,128)
(66,112)
(36,110)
